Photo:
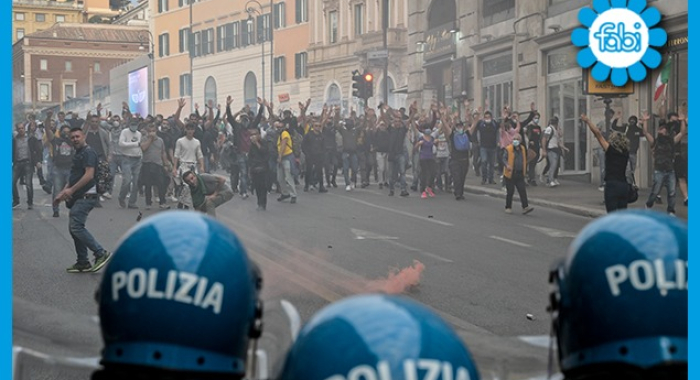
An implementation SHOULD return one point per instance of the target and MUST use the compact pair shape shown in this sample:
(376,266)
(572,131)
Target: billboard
(138,91)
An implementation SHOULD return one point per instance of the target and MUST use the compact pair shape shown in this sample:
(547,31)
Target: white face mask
(516,143)
(536,120)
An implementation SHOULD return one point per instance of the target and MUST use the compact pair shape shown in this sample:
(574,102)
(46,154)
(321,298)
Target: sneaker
(293,200)
(348,188)
(55,214)
(107,196)
(122,203)
(283,197)
(404,193)
(259,208)
(79,268)
(492,182)
(430,192)
(459,197)
(557,182)
(391,193)
(509,211)
(601,188)
(101,261)
(552,184)
(353,185)
(102,199)
(424,195)
(414,188)
(164,207)
(658,200)
(673,214)
(533,183)
(244,195)
(364,185)
(483,182)
(335,186)
(15,205)
(173,199)
(528,210)
(322,190)
(30,207)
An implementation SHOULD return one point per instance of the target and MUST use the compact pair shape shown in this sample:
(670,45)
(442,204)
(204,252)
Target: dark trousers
(260,184)
(330,165)
(516,181)
(531,167)
(25,170)
(459,170)
(427,174)
(615,195)
(365,166)
(314,170)
(152,175)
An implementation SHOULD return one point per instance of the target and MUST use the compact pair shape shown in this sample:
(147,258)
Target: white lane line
(552,232)
(409,248)
(510,241)
(541,341)
(404,213)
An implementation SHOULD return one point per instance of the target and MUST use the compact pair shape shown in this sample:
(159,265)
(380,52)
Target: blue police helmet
(179,294)
(621,295)
(377,337)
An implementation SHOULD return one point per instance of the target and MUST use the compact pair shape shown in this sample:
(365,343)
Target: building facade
(506,52)
(65,62)
(29,16)
(210,49)
(344,37)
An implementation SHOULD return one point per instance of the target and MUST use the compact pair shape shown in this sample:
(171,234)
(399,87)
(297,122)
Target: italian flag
(662,79)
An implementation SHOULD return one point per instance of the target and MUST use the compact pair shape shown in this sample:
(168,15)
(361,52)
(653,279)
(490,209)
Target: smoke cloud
(398,280)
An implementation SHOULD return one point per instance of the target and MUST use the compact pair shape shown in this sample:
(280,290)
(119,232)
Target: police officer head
(620,299)
(179,300)
(377,337)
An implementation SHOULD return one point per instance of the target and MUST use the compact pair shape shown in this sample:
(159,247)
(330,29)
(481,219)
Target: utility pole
(385,25)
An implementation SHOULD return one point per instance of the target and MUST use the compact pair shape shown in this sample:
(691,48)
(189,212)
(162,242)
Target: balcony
(396,40)
(52,4)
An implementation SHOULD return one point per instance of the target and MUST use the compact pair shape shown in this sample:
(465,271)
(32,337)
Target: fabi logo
(619,40)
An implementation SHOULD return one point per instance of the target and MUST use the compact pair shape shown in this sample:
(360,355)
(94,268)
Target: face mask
(115,124)
(536,120)
(133,128)
(516,143)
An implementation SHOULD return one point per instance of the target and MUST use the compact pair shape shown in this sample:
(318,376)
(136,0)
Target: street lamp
(250,10)
(151,56)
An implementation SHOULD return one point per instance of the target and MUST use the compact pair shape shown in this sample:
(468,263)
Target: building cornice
(494,46)
(80,53)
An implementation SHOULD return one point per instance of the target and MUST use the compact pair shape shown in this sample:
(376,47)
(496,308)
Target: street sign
(379,54)
(606,89)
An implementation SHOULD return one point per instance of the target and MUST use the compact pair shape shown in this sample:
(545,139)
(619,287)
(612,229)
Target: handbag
(632,193)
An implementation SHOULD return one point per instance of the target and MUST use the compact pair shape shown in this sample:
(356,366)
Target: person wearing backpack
(460,146)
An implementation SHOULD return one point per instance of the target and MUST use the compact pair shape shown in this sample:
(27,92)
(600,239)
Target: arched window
(250,90)
(333,96)
(210,91)
(441,12)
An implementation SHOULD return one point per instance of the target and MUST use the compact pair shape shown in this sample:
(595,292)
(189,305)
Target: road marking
(409,248)
(552,232)
(510,241)
(537,340)
(404,213)
(366,235)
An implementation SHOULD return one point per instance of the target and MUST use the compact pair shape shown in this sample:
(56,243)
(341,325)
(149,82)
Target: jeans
(23,169)
(350,162)
(114,163)
(415,164)
(382,165)
(616,195)
(153,176)
(397,170)
(600,153)
(242,159)
(82,238)
(131,168)
(488,162)
(331,165)
(517,180)
(60,179)
(668,179)
(553,155)
(364,164)
(314,171)
(442,172)
(631,167)
(284,176)
(271,174)
(427,174)
(210,205)
(459,170)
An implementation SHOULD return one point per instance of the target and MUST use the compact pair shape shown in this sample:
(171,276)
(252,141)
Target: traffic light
(369,85)
(358,85)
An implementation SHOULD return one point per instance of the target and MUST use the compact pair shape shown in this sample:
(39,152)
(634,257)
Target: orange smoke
(398,280)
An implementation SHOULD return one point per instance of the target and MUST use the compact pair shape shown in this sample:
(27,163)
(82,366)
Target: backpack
(297,139)
(461,141)
(103,177)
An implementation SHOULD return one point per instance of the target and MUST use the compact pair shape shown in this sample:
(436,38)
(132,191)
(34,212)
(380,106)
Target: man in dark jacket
(314,149)
(26,155)
(258,160)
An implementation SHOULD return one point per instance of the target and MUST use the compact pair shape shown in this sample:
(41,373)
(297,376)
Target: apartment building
(29,16)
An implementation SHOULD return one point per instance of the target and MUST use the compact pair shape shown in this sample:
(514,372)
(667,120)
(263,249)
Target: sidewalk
(573,197)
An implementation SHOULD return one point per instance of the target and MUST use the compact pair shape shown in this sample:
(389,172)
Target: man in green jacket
(209,191)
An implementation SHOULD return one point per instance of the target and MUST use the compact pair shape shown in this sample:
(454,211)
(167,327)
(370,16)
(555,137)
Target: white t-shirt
(554,141)
(129,143)
(187,150)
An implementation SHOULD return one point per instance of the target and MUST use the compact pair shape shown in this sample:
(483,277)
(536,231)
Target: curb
(576,210)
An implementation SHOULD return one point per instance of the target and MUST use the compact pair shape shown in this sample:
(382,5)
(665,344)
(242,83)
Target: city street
(484,270)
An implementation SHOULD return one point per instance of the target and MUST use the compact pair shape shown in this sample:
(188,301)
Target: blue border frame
(6,218)
(693,156)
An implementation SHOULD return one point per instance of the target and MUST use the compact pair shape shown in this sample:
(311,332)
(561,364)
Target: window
(302,11)
(163,88)
(69,66)
(263,30)
(235,34)
(96,67)
(280,72)
(333,27)
(185,85)
(184,40)
(247,37)
(68,91)
(359,19)
(19,16)
(197,44)
(60,18)
(43,65)
(164,45)
(20,33)
(280,15)
(496,11)
(44,91)
(208,41)
(221,38)
(40,17)
(162,6)
(226,36)
(300,60)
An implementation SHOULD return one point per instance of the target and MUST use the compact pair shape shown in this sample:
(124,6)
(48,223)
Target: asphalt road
(484,270)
